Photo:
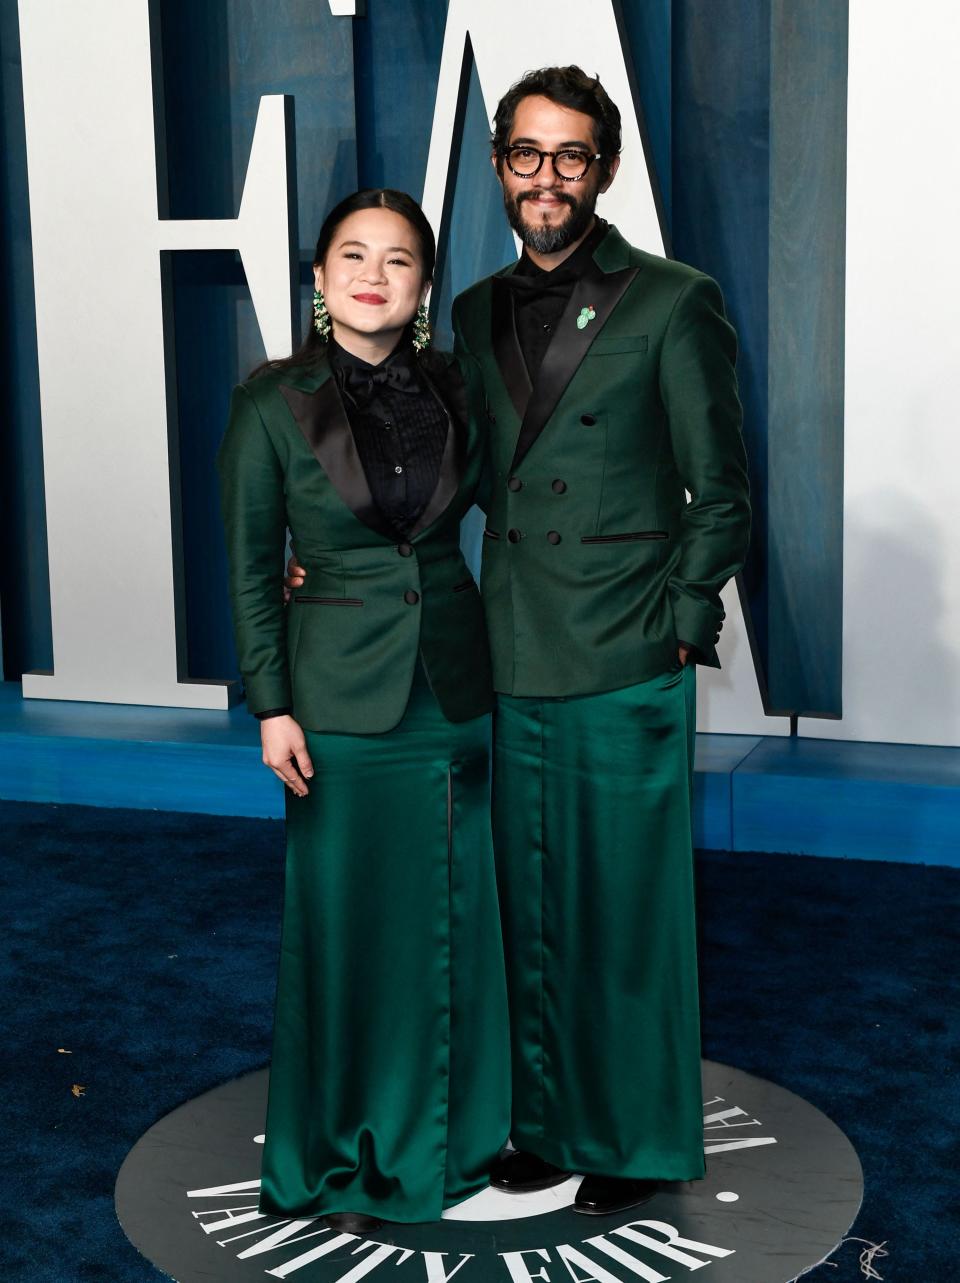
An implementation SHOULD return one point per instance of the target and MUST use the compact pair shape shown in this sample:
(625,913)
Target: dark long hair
(313,346)
(568,87)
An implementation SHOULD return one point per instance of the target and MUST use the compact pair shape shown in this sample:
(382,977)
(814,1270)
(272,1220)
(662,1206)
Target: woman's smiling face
(372,277)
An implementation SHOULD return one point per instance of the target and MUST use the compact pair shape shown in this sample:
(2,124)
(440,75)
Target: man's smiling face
(548,213)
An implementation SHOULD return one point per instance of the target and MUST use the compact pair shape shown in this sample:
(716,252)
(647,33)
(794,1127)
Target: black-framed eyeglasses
(570,164)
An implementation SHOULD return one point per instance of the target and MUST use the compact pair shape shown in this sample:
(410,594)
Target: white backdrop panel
(901,625)
(91,156)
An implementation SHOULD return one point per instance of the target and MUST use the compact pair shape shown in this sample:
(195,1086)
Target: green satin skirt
(390,1077)
(593,841)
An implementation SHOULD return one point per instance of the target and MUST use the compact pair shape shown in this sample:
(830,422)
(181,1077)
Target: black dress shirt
(539,297)
(399,427)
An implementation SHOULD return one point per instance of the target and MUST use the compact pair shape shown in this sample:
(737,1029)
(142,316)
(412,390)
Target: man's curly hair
(568,87)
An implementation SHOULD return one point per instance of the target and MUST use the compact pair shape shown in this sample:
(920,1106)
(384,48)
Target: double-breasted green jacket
(594,563)
(343,653)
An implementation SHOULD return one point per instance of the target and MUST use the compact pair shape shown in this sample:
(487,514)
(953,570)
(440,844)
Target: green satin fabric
(593,841)
(389,1082)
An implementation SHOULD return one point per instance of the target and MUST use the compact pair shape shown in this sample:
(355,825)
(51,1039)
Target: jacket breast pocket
(613,345)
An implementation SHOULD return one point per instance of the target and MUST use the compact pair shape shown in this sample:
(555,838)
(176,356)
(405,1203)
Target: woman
(389,1078)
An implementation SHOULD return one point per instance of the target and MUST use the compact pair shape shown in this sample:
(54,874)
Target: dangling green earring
(421,329)
(321,317)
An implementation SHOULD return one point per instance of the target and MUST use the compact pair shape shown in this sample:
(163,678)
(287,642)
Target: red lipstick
(370,298)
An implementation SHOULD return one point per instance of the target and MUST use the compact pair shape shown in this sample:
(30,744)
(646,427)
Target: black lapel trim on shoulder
(506,346)
(323,421)
(598,290)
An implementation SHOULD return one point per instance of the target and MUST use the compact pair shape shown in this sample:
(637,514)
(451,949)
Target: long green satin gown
(389,1083)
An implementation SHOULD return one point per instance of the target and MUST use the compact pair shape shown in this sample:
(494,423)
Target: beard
(550,238)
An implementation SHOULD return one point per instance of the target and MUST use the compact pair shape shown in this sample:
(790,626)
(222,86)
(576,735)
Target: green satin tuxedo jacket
(594,563)
(343,653)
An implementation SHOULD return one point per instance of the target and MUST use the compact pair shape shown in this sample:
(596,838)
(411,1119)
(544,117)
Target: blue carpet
(144,944)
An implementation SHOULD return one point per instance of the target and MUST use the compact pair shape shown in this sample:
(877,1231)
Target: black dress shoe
(600,1195)
(351,1222)
(519,1173)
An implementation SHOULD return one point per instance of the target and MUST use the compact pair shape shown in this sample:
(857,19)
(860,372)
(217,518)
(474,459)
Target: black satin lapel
(452,395)
(506,347)
(323,421)
(599,290)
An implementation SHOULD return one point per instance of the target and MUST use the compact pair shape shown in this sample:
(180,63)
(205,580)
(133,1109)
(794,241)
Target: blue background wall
(728,92)
(24,591)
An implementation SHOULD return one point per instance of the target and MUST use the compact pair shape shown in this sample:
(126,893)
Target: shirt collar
(341,359)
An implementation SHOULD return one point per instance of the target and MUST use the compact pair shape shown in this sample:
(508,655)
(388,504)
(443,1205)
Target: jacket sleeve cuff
(267,694)
(699,626)
(694,654)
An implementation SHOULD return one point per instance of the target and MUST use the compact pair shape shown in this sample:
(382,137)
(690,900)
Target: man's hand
(294,577)
(285,752)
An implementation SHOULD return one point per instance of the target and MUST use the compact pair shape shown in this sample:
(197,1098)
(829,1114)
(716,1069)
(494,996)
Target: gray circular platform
(783,1186)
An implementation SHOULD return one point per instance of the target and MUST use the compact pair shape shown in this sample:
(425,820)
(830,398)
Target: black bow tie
(544,283)
(360,385)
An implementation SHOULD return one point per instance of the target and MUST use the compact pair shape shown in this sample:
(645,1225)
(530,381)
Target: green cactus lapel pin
(586,316)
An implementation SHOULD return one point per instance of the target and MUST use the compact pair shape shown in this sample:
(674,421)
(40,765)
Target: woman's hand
(285,752)
(294,577)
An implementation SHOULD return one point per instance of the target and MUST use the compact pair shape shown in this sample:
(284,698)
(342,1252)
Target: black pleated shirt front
(400,430)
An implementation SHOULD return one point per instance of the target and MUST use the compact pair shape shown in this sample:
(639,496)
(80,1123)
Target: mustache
(561,196)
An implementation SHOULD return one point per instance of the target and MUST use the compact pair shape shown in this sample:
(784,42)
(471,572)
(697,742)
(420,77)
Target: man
(610,391)
(610,381)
